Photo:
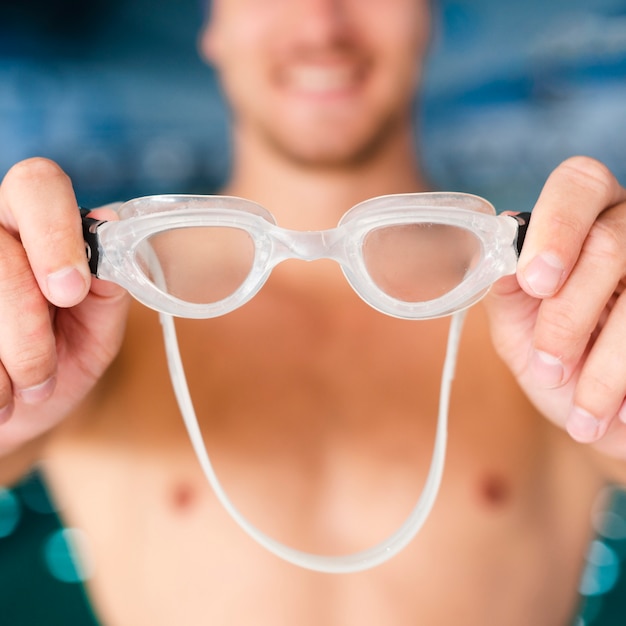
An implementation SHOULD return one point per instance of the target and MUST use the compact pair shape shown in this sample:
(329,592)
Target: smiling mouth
(323,79)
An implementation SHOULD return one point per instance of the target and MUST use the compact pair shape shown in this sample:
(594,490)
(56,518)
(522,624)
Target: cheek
(399,71)
(399,35)
(400,24)
(234,34)
(410,38)
(237,56)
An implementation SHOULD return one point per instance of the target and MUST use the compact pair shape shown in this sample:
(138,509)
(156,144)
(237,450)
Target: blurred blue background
(115,92)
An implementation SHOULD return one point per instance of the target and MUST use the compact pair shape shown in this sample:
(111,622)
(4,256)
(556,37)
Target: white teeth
(321,79)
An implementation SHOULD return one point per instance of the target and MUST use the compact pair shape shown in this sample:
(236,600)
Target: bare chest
(329,464)
(498,548)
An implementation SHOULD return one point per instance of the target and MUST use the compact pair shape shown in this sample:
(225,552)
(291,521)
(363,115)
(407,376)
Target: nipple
(494,490)
(182,496)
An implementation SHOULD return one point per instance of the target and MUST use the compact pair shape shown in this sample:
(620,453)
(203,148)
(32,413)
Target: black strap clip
(523,219)
(90,235)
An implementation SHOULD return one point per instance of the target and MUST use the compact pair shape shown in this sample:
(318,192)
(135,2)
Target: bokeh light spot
(611,525)
(67,556)
(602,570)
(9,512)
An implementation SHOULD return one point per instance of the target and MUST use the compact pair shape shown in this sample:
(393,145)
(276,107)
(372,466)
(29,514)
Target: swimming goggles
(413,256)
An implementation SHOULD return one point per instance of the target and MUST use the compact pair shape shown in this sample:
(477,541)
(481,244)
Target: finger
(37,203)
(571,200)
(567,321)
(601,387)
(27,344)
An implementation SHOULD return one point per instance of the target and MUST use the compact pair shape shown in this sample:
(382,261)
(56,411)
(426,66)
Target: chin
(324,156)
(332,149)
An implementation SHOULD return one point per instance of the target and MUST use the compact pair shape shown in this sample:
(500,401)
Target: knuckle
(605,244)
(599,395)
(63,232)
(560,327)
(586,172)
(18,287)
(594,386)
(34,171)
(28,344)
(34,364)
(567,225)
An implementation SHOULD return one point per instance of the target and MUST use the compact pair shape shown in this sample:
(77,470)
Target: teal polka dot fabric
(603,582)
(42,576)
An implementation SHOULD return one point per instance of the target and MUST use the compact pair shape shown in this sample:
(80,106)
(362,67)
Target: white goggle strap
(357,561)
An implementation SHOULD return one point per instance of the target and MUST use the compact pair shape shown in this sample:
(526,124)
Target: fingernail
(37,393)
(547,369)
(544,274)
(66,286)
(582,426)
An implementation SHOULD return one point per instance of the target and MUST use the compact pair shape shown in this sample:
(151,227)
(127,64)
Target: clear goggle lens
(420,262)
(412,263)
(199,264)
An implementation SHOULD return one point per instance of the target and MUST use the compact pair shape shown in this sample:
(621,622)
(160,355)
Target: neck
(311,197)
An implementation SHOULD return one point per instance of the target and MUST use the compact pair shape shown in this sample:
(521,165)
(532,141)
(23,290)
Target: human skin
(318,410)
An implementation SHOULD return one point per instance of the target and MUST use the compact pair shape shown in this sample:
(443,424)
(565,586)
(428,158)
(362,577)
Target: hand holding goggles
(414,256)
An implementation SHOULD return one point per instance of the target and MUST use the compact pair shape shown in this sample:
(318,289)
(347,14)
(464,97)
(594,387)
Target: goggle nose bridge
(309,245)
